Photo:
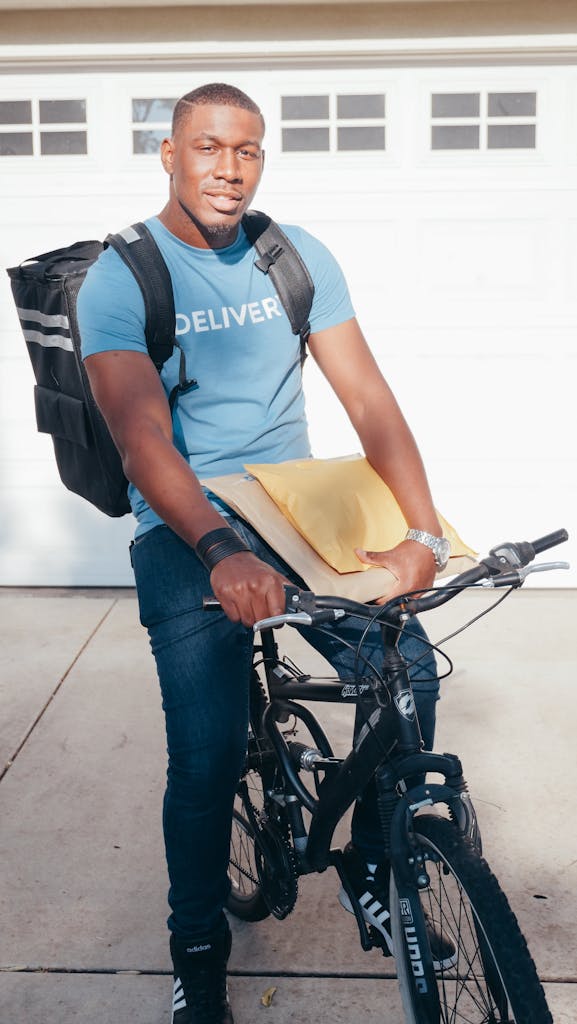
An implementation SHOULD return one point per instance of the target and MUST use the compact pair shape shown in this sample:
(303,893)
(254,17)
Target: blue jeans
(203,662)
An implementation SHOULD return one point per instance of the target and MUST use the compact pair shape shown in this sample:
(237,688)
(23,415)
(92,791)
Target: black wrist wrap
(218,544)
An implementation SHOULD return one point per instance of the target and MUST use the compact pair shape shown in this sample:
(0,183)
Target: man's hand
(412,563)
(247,588)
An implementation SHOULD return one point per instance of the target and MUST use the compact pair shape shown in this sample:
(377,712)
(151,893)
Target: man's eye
(248,154)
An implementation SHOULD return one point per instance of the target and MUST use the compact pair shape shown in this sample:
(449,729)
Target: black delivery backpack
(45,290)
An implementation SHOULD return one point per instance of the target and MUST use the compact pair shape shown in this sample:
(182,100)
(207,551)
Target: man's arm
(128,392)
(348,364)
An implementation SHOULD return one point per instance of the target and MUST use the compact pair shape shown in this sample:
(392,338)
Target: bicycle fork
(401,793)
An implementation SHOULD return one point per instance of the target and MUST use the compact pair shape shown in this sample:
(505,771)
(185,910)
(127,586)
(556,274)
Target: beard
(211,232)
(215,231)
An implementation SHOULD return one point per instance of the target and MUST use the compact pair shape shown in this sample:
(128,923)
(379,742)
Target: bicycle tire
(245,899)
(494,979)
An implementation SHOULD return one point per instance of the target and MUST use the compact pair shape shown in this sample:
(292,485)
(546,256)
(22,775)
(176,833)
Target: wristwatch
(439,545)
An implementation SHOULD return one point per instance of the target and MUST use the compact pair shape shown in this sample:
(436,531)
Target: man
(248,407)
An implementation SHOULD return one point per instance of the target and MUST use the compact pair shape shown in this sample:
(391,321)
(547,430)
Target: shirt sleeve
(110,308)
(331,303)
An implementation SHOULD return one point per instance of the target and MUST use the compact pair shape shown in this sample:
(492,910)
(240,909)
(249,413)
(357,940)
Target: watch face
(442,552)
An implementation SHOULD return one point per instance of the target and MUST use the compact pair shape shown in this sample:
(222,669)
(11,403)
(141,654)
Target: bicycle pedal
(379,941)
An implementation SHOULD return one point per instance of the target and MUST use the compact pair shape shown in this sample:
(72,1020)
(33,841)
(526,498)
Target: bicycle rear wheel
(245,899)
(494,979)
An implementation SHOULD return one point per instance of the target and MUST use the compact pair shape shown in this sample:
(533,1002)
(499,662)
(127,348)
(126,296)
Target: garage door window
(333,123)
(494,120)
(45,127)
(151,123)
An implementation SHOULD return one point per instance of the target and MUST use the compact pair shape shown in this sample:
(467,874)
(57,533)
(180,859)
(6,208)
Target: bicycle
(430,831)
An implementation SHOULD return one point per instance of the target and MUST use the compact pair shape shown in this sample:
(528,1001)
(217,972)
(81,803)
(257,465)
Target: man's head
(217,94)
(215,160)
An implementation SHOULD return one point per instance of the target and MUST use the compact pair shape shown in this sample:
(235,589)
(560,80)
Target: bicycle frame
(389,745)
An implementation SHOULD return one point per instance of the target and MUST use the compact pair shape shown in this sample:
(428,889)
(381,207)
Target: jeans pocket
(170,578)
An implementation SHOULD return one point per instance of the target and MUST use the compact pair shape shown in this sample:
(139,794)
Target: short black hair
(218,93)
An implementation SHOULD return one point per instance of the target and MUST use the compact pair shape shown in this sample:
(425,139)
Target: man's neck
(182,223)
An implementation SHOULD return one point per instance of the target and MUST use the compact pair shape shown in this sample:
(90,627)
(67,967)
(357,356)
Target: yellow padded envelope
(338,505)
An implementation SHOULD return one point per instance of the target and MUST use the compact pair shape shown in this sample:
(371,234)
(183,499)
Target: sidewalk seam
(256,973)
(6,768)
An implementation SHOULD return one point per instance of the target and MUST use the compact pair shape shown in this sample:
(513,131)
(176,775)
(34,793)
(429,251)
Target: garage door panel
(569,265)
(16,388)
(54,538)
(487,261)
(515,407)
(35,472)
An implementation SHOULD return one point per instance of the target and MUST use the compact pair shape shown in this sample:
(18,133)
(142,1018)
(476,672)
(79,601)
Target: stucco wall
(255,22)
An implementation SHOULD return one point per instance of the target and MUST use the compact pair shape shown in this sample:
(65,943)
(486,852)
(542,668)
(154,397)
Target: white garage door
(449,196)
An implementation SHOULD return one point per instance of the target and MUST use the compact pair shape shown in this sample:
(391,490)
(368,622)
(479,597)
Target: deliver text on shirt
(228,316)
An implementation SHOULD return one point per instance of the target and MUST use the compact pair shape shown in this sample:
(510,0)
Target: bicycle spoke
(241,857)
(467,975)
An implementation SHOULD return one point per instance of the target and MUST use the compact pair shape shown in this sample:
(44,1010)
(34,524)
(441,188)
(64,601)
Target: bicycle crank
(276,869)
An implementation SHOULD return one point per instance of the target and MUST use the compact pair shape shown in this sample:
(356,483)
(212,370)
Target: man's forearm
(393,453)
(171,488)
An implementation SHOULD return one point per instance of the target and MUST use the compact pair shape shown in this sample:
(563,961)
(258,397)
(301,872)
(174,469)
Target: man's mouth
(224,202)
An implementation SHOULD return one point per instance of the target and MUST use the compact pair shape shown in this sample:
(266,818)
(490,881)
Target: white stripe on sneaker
(374,908)
(178,1000)
(375,914)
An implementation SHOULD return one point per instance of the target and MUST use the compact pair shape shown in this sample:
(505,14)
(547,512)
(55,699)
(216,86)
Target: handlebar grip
(549,541)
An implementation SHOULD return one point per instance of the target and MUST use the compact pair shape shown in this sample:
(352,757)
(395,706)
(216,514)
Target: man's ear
(167,155)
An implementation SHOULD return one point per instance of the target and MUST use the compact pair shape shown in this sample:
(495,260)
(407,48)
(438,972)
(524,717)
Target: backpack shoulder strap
(278,257)
(136,246)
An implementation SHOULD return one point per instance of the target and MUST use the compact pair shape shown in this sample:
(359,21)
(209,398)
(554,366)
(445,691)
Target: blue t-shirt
(238,344)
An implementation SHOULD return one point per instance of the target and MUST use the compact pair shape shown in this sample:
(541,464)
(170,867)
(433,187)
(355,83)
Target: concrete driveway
(82,881)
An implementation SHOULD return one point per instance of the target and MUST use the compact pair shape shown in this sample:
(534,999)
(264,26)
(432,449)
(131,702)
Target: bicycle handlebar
(551,540)
(504,566)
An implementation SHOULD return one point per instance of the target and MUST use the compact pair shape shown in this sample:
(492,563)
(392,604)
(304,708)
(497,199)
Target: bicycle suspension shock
(387,800)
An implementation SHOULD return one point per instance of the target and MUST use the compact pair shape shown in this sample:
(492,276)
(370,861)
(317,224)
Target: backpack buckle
(268,258)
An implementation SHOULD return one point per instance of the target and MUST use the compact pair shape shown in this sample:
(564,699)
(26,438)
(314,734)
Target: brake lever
(315,618)
(275,621)
(516,577)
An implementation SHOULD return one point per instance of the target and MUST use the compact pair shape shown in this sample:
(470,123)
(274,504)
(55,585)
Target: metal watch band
(438,545)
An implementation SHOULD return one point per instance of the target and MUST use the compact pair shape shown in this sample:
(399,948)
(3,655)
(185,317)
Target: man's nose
(227,165)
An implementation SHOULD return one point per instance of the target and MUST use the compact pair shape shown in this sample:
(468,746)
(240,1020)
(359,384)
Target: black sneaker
(370,884)
(200,993)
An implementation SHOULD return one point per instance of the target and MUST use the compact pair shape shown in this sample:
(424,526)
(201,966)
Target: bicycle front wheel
(492,979)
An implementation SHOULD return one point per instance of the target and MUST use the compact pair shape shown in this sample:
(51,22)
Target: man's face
(215,161)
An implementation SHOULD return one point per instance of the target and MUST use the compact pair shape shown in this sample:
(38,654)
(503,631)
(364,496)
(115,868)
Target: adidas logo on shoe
(178,1000)
(374,913)
(200,994)
(370,885)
